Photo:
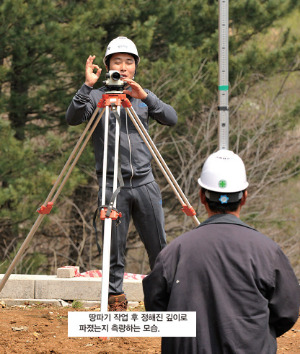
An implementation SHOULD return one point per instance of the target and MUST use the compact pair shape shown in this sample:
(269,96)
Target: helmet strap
(223,198)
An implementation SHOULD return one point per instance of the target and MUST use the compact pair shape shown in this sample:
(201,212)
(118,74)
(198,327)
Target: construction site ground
(43,329)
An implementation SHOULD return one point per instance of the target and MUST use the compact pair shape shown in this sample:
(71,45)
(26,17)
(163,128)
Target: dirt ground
(43,329)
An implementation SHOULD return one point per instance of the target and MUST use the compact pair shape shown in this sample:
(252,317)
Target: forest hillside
(43,49)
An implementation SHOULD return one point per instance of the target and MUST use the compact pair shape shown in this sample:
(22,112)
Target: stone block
(68,288)
(17,287)
(67,272)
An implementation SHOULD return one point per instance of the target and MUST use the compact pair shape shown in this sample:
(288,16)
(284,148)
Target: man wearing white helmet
(140,197)
(238,281)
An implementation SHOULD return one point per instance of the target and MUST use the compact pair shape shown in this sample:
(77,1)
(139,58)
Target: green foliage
(29,263)
(27,172)
(45,45)
(76,304)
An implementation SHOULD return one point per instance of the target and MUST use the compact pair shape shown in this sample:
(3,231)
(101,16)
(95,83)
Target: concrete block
(67,272)
(17,287)
(26,302)
(68,288)
(133,290)
(50,287)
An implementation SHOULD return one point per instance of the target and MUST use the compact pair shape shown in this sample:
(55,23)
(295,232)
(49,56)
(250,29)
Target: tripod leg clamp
(189,211)
(114,214)
(45,209)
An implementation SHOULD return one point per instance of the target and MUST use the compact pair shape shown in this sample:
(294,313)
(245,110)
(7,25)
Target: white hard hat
(224,171)
(121,45)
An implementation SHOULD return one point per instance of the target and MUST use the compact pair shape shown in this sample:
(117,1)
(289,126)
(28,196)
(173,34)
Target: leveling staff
(140,198)
(238,281)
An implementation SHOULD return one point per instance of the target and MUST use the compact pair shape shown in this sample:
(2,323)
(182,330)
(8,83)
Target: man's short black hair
(216,205)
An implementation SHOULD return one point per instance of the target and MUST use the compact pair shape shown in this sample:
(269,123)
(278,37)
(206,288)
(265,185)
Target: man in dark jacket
(140,198)
(238,281)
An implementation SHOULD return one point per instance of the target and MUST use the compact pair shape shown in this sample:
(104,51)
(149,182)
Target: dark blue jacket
(238,281)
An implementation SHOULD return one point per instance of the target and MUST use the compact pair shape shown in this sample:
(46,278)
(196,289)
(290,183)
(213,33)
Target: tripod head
(113,82)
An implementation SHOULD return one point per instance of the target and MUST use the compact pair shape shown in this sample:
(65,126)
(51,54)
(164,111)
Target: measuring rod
(223,75)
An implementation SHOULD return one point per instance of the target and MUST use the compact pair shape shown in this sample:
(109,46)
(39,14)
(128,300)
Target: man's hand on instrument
(136,90)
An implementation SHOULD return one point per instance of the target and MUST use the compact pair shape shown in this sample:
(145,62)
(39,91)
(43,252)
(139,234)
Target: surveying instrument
(111,101)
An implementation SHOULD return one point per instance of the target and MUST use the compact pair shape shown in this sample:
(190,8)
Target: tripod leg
(106,264)
(108,221)
(160,161)
(41,216)
(105,149)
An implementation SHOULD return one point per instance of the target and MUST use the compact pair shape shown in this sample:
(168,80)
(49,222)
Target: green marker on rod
(223,88)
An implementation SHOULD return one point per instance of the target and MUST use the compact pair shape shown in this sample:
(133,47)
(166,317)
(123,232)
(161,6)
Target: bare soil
(43,329)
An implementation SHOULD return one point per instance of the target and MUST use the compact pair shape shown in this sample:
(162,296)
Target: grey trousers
(144,205)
